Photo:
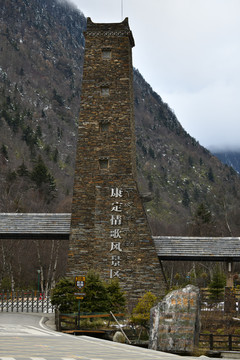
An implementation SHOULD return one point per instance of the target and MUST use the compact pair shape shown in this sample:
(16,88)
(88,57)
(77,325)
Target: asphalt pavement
(32,337)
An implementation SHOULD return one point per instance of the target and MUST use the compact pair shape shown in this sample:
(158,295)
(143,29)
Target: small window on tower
(106,54)
(104,126)
(105,91)
(103,164)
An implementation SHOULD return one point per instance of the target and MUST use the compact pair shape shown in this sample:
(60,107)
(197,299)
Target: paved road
(25,337)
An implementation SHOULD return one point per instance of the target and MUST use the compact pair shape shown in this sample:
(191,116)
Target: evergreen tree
(51,189)
(40,172)
(43,179)
(185,199)
(203,214)
(196,193)
(11,176)
(97,298)
(117,298)
(190,161)
(55,155)
(203,223)
(29,137)
(217,284)
(151,152)
(63,297)
(38,132)
(22,170)
(4,151)
(210,175)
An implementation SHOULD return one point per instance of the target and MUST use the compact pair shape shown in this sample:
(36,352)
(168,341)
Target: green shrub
(141,312)
(101,297)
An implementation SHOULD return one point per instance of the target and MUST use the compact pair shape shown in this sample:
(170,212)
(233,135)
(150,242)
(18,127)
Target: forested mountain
(41,57)
(230,158)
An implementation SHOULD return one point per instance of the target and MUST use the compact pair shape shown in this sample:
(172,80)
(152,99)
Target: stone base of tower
(114,239)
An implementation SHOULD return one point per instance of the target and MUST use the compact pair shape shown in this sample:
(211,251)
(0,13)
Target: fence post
(12,297)
(47,303)
(33,301)
(43,300)
(7,299)
(2,297)
(38,294)
(58,320)
(211,341)
(22,300)
(230,342)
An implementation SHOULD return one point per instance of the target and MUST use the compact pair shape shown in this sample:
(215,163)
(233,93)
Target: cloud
(189,52)
(192,61)
(216,124)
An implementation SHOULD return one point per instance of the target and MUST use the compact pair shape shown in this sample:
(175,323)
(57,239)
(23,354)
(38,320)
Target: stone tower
(109,228)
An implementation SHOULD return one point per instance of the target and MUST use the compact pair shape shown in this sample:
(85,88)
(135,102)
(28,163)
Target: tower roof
(108,29)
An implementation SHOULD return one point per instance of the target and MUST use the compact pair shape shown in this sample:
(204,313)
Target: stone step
(230,354)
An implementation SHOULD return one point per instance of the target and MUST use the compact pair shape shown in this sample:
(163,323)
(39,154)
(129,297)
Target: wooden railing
(71,323)
(216,342)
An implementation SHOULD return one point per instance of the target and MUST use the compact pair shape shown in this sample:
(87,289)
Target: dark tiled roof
(26,223)
(167,247)
(199,248)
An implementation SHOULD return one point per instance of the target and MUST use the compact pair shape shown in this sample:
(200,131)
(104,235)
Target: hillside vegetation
(41,57)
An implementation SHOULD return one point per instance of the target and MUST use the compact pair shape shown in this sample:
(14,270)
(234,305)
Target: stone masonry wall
(109,228)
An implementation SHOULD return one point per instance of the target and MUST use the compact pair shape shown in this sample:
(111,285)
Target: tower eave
(121,29)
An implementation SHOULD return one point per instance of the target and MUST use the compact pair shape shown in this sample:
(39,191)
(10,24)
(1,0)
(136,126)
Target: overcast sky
(189,52)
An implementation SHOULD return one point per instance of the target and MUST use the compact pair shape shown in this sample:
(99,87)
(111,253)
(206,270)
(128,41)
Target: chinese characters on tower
(116,220)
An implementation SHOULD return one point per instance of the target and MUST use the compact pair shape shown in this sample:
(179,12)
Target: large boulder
(174,322)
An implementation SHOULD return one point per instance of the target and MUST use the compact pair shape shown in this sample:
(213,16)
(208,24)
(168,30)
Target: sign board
(80,281)
(79,294)
(80,284)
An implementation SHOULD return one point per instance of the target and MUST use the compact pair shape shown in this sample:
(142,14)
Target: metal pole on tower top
(122,9)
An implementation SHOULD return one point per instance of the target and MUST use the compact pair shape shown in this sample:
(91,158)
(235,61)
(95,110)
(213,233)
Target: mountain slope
(230,158)
(183,176)
(41,56)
